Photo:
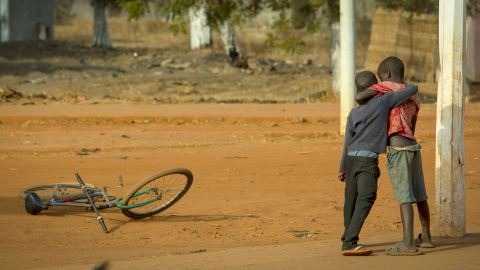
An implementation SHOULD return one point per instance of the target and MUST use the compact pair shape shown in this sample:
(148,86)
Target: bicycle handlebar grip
(100,219)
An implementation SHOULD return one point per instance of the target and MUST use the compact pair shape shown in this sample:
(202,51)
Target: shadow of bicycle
(181,218)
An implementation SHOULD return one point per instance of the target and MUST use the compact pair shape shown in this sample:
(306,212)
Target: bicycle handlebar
(99,217)
(79,180)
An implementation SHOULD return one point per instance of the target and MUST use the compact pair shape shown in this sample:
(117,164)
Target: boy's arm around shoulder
(395,99)
(361,97)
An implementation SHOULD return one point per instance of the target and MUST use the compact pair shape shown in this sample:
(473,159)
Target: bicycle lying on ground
(149,197)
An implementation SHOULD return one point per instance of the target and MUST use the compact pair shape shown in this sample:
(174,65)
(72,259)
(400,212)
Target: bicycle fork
(84,188)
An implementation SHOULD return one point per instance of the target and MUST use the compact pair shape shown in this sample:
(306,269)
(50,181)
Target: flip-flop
(420,243)
(357,251)
(400,249)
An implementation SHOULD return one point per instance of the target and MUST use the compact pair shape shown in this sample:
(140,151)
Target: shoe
(400,249)
(420,243)
(357,251)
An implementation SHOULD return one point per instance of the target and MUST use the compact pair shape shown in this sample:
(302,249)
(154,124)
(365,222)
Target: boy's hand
(365,95)
(342,177)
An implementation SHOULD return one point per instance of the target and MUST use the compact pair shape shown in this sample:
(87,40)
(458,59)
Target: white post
(450,216)
(347,60)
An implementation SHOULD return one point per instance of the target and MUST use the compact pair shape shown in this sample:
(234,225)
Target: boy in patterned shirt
(404,161)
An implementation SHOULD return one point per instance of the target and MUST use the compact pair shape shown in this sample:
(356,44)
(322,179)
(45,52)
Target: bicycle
(148,197)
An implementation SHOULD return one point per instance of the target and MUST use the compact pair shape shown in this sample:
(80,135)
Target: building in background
(473,49)
(412,39)
(22,20)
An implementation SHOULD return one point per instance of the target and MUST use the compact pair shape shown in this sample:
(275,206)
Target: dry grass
(145,33)
(155,34)
(78,31)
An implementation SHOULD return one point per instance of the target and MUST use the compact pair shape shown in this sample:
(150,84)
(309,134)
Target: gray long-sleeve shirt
(367,124)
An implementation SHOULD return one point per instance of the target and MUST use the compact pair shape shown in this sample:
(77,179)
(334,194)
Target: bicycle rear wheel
(65,191)
(157,192)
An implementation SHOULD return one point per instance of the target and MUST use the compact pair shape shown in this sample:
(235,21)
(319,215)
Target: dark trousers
(360,194)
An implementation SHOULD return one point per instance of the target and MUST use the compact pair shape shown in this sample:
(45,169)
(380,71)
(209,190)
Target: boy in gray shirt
(365,138)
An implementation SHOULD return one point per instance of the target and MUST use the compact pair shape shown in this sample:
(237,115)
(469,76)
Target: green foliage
(235,12)
(414,6)
(291,44)
(473,8)
(285,38)
(307,15)
(178,25)
(424,6)
(134,8)
(217,12)
(333,10)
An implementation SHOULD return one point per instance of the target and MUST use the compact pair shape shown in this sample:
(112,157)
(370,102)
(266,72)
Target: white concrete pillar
(450,214)
(347,60)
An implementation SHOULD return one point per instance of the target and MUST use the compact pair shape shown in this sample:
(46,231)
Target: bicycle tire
(168,187)
(45,191)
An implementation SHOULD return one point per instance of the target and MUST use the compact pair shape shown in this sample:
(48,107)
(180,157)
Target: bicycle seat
(33,204)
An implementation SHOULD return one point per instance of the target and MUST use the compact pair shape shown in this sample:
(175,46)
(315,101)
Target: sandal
(420,243)
(357,251)
(400,249)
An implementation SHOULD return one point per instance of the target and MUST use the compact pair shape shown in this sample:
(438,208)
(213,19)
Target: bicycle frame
(71,201)
(159,197)
(97,193)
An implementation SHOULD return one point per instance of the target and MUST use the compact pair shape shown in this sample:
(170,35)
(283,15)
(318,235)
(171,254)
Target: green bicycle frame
(135,205)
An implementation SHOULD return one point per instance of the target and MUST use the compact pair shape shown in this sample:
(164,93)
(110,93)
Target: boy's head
(391,69)
(364,80)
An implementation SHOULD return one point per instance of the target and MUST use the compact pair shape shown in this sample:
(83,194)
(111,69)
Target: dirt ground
(264,170)
(259,179)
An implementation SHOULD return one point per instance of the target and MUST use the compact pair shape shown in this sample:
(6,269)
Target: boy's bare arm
(365,95)
(395,99)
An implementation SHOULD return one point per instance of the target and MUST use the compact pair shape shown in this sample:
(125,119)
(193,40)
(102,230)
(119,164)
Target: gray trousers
(360,195)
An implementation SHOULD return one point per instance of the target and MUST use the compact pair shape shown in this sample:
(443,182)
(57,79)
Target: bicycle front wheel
(157,192)
(64,191)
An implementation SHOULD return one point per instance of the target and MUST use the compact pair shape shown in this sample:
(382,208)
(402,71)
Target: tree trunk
(298,15)
(335,55)
(101,38)
(200,30)
(232,45)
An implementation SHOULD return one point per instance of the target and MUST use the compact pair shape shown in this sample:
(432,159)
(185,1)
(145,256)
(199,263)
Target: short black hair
(392,64)
(365,79)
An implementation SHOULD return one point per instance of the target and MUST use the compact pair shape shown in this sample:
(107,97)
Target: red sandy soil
(263,175)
